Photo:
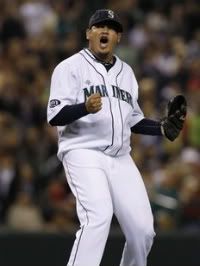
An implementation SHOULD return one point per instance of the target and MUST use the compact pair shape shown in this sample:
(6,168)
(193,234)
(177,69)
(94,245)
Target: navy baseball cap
(107,16)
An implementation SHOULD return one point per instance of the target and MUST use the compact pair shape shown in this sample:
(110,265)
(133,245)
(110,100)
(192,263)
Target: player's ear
(119,35)
(87,34)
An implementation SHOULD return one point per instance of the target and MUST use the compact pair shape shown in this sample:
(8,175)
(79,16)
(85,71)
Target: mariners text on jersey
(102,90)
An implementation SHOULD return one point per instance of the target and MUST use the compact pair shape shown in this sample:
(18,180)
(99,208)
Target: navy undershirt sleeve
(147,127)
(68,114)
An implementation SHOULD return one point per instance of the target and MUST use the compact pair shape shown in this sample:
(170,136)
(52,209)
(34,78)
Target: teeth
(103,45)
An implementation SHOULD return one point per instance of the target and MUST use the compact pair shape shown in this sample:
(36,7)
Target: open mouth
(103,41)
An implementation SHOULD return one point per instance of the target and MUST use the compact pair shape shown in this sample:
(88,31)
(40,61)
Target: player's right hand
(94,103)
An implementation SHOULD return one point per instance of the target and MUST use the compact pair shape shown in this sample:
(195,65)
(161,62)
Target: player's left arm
(170,126)
(147,127)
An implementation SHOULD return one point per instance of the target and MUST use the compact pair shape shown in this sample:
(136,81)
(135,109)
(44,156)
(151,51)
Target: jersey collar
(89,55)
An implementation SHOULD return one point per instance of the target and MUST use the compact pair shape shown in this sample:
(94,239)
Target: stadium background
(161,41)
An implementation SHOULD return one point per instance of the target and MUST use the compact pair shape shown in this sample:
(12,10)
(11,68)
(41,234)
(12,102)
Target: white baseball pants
(104,185)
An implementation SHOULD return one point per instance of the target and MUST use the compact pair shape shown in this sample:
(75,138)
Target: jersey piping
(110,106)
(93,58)
(120,112)
(108,66)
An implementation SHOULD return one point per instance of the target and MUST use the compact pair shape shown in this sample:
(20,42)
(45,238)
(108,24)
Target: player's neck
(106,59)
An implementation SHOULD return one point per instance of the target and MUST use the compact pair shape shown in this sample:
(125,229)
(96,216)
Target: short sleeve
(63,89)
(137,114)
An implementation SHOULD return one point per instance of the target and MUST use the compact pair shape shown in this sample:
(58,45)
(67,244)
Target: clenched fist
(94,103)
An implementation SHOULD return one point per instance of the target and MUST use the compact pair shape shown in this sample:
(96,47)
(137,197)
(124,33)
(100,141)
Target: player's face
(102,40)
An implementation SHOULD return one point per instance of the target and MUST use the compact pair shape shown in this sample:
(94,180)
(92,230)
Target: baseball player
(93,103)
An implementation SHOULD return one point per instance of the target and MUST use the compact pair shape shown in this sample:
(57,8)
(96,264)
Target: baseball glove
(172,124)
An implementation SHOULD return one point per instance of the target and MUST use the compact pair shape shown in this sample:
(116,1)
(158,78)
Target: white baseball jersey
(108,130)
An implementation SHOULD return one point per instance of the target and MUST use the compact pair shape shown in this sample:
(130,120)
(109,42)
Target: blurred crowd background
(161,41)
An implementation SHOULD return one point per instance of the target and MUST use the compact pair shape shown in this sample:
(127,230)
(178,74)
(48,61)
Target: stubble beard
(105,56)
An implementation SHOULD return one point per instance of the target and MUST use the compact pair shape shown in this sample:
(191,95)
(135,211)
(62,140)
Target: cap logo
(110,14)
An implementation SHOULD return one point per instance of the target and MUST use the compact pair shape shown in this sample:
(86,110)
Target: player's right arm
(94,103)
(70,113)
(62,107)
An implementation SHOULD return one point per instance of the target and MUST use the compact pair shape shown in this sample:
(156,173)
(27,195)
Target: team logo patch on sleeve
(53,103)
